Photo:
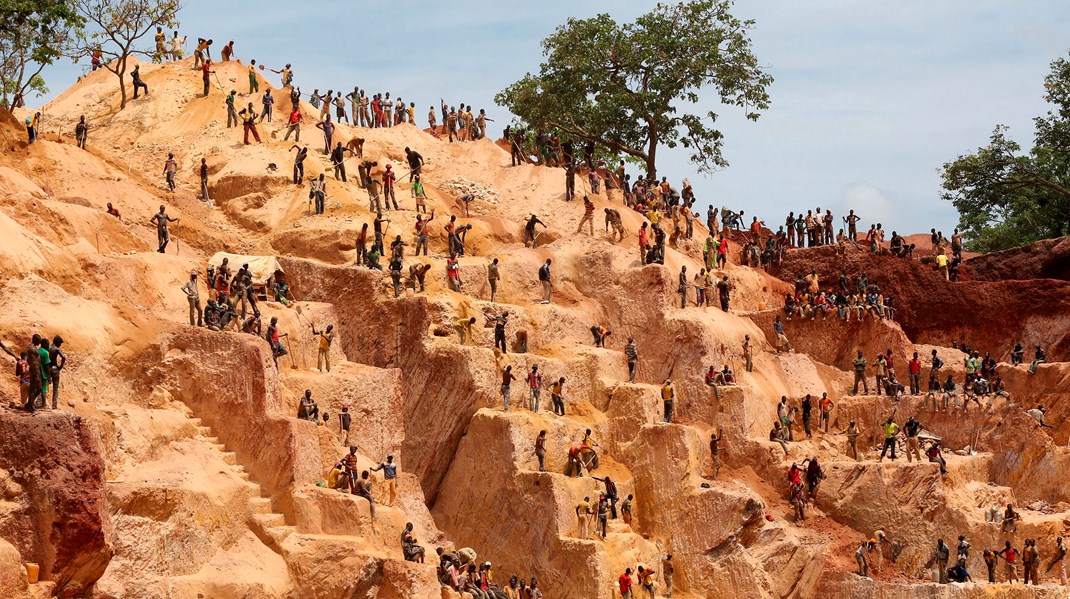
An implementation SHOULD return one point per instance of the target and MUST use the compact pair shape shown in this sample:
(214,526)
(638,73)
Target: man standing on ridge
(328,132)
(326,337)
(390,478)
(170,167)
(194,298)
(338,157)
(248,116)
(912,428)
(81,132)
(547,282)
(891,429)
(160,220)
(632,355)
(206,72)
(293,124)
(860,363)
(668,398)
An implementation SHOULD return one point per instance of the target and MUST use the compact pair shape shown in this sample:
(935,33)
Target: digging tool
(218,83)
(289,348)
(300,314)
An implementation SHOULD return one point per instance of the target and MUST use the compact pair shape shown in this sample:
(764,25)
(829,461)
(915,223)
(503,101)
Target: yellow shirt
(332,477)
(325,340)
(666,392)
(941,260)
(556,388)
(654,216)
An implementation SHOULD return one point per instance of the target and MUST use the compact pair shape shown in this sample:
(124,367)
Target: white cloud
(868,202)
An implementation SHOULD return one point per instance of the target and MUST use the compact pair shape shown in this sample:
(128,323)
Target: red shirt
(794,476)
(295,117)
(206,70)
(722,248)
(1011,554)
(625,582)
(642,237)
(888,358)
(915,366)
(451,269)
(388,179)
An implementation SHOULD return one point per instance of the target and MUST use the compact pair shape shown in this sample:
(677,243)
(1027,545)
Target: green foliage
(628,87)
(1008,197)
(114,27)
(33,34)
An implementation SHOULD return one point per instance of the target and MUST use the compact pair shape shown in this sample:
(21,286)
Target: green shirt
(890,429)
(45,363)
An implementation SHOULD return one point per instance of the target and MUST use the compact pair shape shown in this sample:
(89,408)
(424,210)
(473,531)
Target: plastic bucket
(33,571)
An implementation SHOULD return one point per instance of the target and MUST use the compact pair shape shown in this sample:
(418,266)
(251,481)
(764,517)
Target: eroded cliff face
(1045,259)
(54,507)
(177,468)
(993,315)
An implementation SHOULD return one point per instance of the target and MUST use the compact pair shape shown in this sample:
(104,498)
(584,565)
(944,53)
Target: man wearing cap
(194,297)
(390,475)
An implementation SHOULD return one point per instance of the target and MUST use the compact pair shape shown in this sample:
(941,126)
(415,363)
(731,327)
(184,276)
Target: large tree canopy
(629,87)
(33,34)
(1008,197)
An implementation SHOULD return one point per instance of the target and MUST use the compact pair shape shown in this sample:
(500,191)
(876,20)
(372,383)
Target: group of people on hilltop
(38,368)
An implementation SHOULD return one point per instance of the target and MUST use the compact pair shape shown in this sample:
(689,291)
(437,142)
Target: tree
(627,87)
(33,34)
(1006,197)
(115,26)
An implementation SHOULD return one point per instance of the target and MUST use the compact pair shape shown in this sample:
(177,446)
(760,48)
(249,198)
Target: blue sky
(870,98)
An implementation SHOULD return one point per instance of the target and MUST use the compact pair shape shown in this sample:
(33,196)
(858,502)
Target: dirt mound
(1045,259)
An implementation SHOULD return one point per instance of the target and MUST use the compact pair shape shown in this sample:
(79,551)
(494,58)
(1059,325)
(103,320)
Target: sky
(869,98)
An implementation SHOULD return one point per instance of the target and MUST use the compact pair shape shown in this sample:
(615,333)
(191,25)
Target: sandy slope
(209,486)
